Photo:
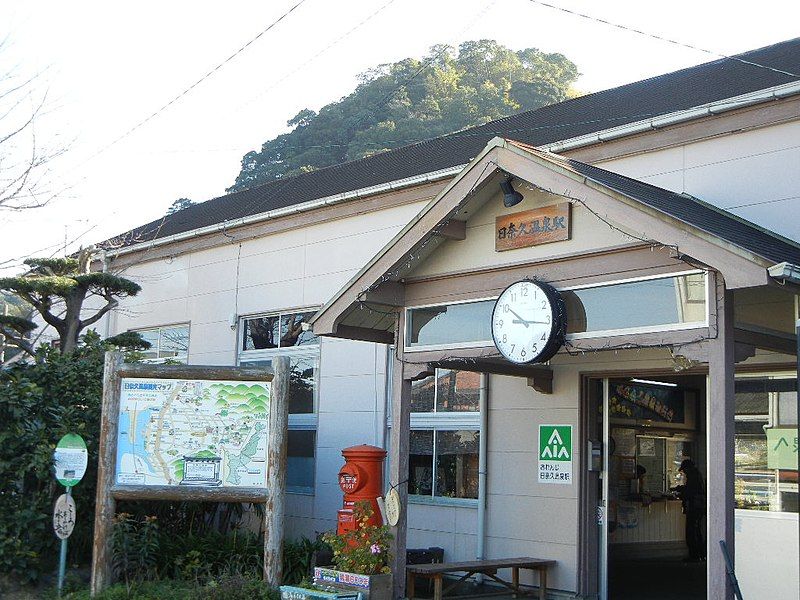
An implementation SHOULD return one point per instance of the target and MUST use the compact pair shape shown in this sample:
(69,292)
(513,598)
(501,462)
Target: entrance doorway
(647,432)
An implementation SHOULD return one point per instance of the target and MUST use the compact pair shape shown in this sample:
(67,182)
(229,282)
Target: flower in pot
(365,549)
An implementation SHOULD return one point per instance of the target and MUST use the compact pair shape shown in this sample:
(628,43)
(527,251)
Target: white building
(229,281)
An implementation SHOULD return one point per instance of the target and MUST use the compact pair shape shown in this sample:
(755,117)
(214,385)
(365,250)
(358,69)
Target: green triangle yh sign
(555,454)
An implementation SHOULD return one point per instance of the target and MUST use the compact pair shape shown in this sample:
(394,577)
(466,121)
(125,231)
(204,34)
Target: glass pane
(752,403)
(652,303)
(422,394)
(420,463)
(765,478)
(300,459)
(651,465)
(457,391)
(292,333)
(787,408)
(456,323)
(302,383)
(150,335)
(457,464)
(260,333)
(174,342)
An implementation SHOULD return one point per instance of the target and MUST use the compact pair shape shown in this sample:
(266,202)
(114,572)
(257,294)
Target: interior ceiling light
(510,196)
(652,382)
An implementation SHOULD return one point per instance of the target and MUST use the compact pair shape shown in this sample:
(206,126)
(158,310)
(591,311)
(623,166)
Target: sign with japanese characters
(555,454)
(532,227)
(64,516)
(782,449)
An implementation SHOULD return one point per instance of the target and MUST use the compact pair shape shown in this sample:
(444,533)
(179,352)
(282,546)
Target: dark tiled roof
(689,210)
(680,90)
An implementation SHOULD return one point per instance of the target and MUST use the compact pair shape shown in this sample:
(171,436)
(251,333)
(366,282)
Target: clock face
(528,322)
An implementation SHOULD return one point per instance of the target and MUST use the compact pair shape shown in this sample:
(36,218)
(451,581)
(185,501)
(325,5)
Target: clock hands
(520,321)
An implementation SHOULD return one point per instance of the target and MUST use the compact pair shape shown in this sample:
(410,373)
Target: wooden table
(436,571)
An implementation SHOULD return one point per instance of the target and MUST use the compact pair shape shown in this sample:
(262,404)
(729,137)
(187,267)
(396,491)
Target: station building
(678,270)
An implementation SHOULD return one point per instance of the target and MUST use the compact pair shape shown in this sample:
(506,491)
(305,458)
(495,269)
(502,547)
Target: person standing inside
(693,499)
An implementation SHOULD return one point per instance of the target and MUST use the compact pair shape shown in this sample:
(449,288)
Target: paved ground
(666,579)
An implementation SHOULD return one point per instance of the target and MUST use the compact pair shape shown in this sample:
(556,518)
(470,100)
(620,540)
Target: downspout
(103,255)
(482,461)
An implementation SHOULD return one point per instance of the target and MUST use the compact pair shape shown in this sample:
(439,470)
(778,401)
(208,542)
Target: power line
(314,57)
(196,83)
(660,38)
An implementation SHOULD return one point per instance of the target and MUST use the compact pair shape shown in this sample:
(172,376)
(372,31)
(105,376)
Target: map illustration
(193,432)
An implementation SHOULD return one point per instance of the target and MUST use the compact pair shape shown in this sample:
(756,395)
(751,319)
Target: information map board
(192,432)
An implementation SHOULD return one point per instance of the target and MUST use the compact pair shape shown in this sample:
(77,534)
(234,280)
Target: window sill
(443,501)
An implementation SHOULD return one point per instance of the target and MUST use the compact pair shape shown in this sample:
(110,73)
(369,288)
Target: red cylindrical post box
(361,478)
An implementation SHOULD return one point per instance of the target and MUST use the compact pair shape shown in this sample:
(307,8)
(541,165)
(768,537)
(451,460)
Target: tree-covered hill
(411,100)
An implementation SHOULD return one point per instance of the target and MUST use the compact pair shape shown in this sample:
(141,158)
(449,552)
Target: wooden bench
(436,571)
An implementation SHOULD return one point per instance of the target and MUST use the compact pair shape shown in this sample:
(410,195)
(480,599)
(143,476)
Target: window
(167,342)
(765,444)
(673,302)
(450,324)
(660,303)
(263,337)
(444,444)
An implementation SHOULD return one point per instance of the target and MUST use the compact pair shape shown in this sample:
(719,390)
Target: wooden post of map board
(105,504)
(276,473)
(108,491)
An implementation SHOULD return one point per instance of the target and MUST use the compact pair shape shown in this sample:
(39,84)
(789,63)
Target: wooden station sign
(533,227)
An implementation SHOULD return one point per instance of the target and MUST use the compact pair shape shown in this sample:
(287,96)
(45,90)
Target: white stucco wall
(752,174)
(295,269)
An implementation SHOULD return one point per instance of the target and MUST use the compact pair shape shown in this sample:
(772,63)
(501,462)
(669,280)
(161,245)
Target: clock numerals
(522,322)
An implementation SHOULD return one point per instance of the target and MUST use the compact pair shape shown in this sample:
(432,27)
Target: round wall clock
(529,322)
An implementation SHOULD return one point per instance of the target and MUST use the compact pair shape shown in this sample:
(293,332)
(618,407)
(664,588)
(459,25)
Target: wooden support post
(720,412)
(105,506)
(276,473)
(398,461)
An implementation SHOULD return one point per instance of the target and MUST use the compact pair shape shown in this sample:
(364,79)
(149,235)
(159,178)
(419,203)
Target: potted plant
(360,557)
(361,564)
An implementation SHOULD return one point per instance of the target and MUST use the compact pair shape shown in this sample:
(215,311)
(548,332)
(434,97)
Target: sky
(104,67)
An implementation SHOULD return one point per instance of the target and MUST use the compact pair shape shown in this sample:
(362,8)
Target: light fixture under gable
(511,197)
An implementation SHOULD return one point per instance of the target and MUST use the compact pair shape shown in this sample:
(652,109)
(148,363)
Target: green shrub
(237,587)
(298,559)
(39,403)
(226,588)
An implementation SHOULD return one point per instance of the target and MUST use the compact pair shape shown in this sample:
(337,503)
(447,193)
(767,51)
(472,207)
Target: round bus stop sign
(70,459)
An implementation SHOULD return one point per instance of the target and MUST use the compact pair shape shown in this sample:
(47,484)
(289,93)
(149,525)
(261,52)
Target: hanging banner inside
(555,454)
(782,449)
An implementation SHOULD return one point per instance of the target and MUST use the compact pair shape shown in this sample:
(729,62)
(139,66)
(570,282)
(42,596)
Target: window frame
(297,421)
(771,420)
(436,421)
(571,336)
(184,359)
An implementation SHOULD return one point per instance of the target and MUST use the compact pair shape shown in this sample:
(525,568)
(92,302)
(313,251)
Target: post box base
(372,587)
